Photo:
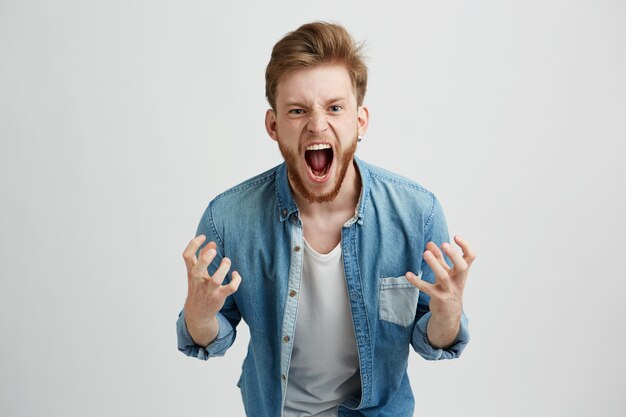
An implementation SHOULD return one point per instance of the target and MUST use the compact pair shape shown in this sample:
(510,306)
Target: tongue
(318,159)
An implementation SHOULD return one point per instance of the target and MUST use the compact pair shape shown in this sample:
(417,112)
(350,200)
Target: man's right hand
(205,294)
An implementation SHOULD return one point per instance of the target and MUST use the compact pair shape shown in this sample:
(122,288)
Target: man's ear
(363,117)
(270,124)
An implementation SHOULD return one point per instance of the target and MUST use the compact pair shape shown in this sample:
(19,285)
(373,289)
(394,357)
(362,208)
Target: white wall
(119,121)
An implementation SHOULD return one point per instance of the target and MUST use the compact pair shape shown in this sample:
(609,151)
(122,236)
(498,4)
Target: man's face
(316,124)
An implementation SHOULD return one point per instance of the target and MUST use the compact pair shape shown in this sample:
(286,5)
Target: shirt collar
(284,199)
(361,205)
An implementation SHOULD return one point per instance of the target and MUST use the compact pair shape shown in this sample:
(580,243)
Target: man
(338,266)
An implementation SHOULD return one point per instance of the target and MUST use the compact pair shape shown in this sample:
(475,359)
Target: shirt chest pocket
(397,300)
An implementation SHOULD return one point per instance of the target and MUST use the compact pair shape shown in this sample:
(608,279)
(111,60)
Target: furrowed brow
(335,100)
(294,104)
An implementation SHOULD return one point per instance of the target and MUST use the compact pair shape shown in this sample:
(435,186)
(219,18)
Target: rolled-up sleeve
(427,351)
(225,338)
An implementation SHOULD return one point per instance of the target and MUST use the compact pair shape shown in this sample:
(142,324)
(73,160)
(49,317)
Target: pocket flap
(397,282)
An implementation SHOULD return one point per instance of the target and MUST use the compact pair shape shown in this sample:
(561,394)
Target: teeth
(318,147)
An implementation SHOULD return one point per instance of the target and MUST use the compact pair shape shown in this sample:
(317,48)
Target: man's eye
(296,111)
(335,108)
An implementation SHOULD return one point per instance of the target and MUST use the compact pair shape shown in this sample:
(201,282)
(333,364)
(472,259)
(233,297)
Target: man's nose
(317,123)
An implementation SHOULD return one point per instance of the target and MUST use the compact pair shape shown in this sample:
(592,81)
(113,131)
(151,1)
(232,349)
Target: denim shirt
(257,225)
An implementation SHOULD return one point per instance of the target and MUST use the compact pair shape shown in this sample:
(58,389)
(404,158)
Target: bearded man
(338,266)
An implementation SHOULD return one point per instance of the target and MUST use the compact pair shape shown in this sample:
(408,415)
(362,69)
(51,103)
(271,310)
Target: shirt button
(286,339)
(296,249)
(292,293)
(284,212)
(284,378)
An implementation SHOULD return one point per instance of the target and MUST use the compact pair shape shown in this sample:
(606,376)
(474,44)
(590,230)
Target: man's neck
(322,222)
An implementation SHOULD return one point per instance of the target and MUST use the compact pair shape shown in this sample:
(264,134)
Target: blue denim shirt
(256,224)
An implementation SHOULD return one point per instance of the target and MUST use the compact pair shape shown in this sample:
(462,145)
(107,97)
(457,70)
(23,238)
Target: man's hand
(205,294)
(446,294)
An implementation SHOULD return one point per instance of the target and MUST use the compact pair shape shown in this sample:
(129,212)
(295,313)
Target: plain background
(120,120)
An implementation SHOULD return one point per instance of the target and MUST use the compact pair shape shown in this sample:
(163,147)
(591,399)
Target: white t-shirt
(324,368)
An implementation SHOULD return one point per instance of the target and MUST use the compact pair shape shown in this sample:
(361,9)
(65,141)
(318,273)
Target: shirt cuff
(224,339)
(427,351)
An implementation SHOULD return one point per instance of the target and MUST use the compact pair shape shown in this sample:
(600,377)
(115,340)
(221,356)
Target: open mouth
(319,158)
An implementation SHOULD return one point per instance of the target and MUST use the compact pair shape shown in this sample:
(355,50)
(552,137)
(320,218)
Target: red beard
(344,158)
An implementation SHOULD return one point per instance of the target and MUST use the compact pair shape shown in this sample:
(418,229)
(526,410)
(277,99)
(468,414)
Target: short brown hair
(314,44)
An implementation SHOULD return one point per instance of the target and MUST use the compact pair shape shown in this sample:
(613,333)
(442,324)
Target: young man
(337,266)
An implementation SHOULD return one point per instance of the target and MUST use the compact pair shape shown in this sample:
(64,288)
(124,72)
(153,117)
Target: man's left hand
(446,294)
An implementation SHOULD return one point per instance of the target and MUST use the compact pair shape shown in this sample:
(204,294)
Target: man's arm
(206,326)
(217,347)
(446,294)
(442,333)
(205,293)
(441,330)
(421,343)
(203,334)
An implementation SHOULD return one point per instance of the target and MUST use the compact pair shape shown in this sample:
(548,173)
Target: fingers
(431,246)
(207,255)
(424,286)
(210,245)
(206,248)
(455,257)
(460,262)
(441,274)
(468,254)
(189,254)
(220,273)
(234,283)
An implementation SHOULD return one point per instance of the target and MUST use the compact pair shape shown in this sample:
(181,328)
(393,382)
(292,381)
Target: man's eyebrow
(300,104)
(336,99)
(294,103)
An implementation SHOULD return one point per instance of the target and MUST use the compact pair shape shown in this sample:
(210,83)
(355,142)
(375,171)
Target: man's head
(314,44)
(315,83)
